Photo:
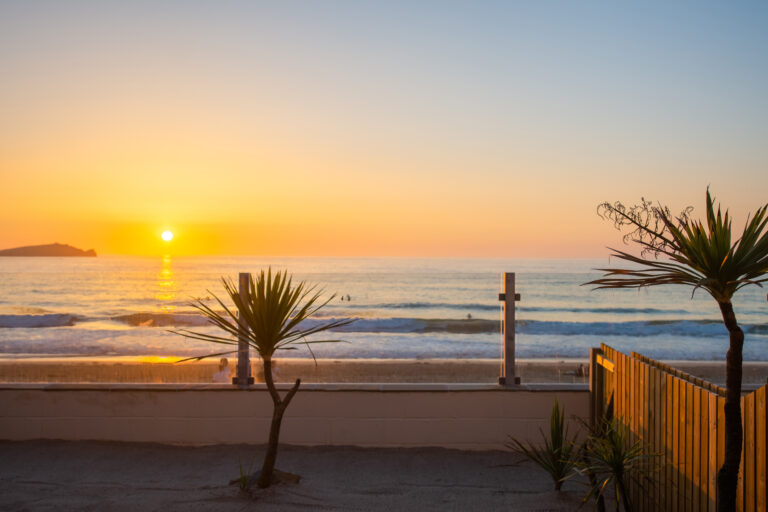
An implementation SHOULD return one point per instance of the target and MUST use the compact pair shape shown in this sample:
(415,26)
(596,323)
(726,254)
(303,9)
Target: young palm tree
(679,250)
(612,462)
(269,317)
(557,455)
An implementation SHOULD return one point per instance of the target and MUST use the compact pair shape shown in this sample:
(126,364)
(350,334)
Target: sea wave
(35,321)
(133,320)
(423,305)
(408,325)
(523,308)
(701,328)
(611,310)
(161,319)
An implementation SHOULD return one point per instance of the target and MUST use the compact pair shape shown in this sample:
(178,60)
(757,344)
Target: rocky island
(56,249)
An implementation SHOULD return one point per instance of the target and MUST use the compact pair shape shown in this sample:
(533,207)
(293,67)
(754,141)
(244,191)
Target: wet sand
(325,370)
(159,370)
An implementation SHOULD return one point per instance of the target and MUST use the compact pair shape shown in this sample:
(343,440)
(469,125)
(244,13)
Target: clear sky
(454,129)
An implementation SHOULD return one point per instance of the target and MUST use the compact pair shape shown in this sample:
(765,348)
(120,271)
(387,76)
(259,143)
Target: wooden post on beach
(508,297)
(243,378)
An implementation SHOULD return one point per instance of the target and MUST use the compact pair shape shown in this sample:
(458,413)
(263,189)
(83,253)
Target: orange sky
(262,130)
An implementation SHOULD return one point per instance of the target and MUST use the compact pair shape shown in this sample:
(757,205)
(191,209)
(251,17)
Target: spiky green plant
(612,462)
(556,454)
(680,250)
(269,318)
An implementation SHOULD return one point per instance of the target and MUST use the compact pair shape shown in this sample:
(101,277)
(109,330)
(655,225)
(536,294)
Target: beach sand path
(63,475)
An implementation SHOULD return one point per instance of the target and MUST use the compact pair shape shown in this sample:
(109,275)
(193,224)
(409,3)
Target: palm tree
(679,250)
(269,318)
(557,456)
(611,461)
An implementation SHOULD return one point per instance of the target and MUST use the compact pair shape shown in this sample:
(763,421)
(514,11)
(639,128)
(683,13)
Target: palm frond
(200,358)
(695,253)
(269,315)
(557,455)
(614,461)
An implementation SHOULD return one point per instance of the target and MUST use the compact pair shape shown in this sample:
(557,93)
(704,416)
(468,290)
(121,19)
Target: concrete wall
(475,417)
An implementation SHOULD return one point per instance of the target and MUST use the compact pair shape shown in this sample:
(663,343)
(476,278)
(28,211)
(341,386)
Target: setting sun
(167,236)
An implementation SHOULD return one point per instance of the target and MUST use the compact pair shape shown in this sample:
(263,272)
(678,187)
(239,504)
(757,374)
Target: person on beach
(223,375)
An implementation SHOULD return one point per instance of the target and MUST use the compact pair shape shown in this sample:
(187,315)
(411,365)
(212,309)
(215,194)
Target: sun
(167,236)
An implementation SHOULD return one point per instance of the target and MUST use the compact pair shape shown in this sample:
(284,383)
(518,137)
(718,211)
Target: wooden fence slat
(616,385)
(643,410)
(670,445)
(625,390)
(623,379)
(688,461)
(749,452)
(631,395)
(713,467)
(610,392)
(618,404)
(740,485)
(761,440)
(695,433)
(645,401)
(636,428)
(704,450)
(596,379)
(660,448)
(676,463)
(652,404)
(720,432)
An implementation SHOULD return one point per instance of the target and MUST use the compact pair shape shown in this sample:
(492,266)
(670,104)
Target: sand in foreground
(58,475)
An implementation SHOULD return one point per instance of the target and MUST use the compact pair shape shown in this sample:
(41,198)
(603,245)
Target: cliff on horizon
(56,249)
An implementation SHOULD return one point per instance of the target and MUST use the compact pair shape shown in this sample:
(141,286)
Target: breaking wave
(35,321)
(521,307)
(405,325)
(161,319)
(700,328)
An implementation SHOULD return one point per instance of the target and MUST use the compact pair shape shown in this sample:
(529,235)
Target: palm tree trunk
(280,405)
(728,475)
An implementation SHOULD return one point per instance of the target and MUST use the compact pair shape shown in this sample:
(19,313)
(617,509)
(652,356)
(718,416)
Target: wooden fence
(681,418)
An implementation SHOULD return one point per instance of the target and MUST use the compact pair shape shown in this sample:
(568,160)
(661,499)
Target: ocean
(404,308)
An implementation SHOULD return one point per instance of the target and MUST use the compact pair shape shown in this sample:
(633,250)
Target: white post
(243,378)
(508,298)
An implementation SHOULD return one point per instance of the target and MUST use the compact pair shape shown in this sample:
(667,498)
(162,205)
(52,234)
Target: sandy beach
(334,370)
(57,475)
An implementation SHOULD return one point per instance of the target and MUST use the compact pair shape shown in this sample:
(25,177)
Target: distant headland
(48,250)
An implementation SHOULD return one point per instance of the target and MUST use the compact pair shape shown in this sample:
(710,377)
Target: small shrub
(557,455)
(611,462)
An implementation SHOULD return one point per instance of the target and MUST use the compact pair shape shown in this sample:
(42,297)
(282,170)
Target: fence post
(243,378)
(595,398)
(508,297)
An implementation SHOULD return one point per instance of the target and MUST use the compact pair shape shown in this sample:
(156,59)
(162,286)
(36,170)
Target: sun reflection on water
(166,286)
